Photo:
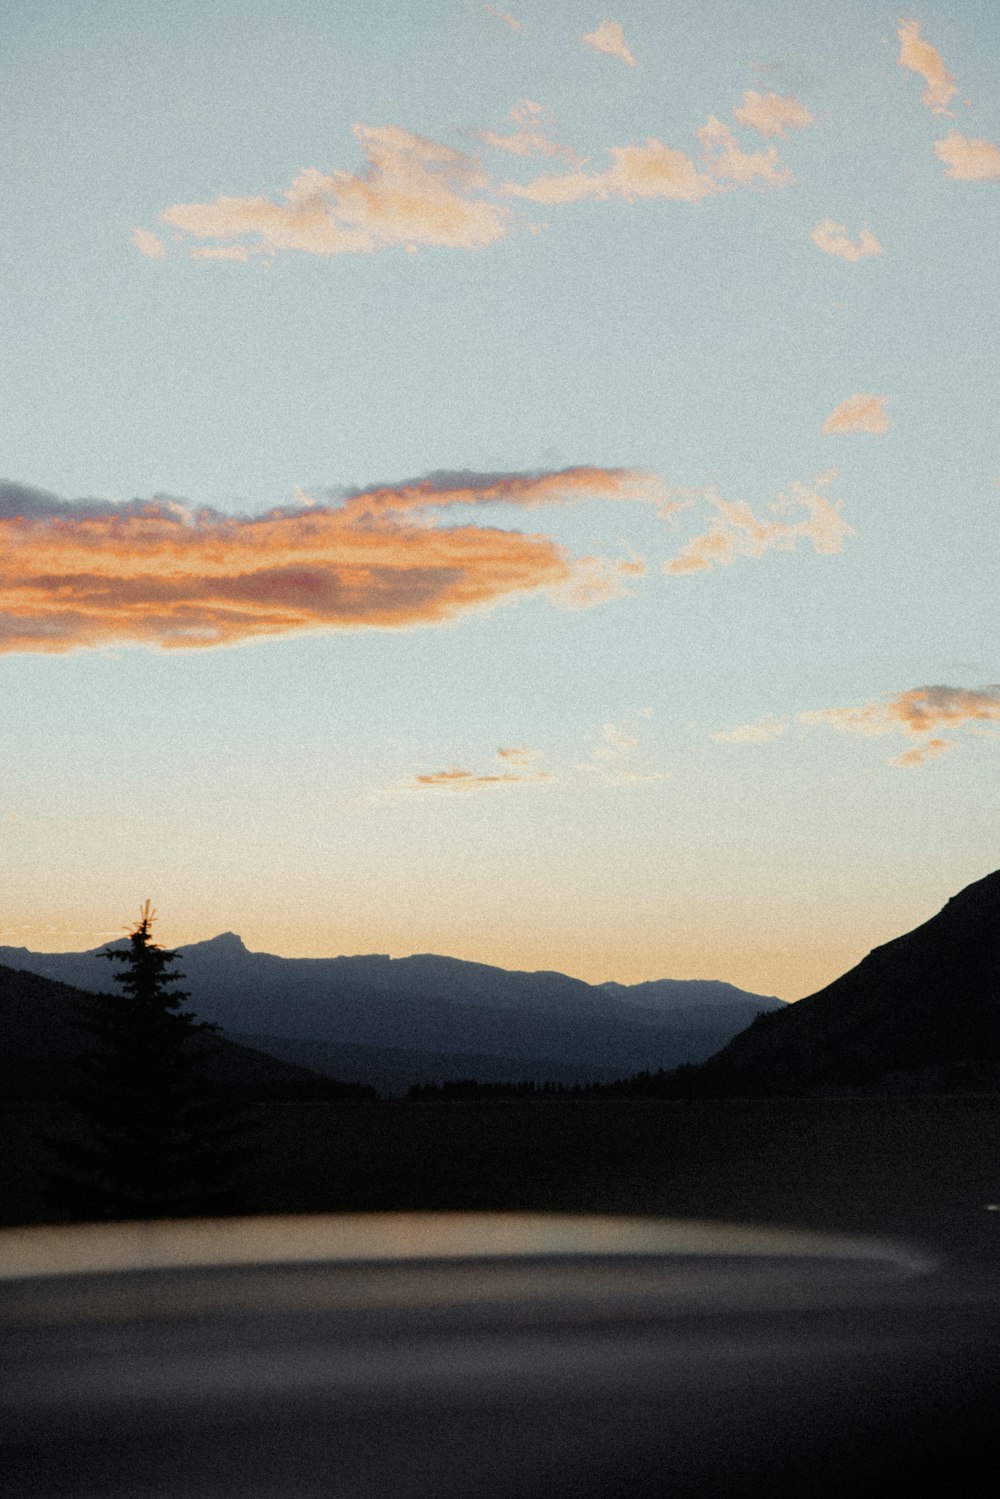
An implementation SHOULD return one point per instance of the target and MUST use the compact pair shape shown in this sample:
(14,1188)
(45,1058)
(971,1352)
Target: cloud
(466,780)
(859,413)
(735,531)
(412,192)
(615,744)
(503,15)
(770,114)
(728,162)
(610,38)
(457,779)
(833,239)
(154,572)
(613,759)
(652,170)
(529,139)
(920,57)
(912,758)
(968,160)
(916,713)
(516,754)
(766,728)
(147,243)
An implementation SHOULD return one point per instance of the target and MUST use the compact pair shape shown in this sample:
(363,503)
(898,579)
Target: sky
(514,483)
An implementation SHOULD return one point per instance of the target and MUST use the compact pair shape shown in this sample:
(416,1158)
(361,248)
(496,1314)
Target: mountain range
(390,1022)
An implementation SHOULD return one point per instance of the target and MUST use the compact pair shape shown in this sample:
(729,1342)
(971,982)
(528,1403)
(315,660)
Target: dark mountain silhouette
(451,1012)
(922,1011)
(42,1043)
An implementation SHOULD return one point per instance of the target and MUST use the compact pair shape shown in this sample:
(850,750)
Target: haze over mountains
(392,1022)
(922,1011)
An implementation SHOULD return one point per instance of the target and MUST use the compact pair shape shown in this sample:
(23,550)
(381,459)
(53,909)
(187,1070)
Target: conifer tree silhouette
(161,1140)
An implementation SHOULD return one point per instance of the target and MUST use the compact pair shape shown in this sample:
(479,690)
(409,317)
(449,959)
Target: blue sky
(629,275)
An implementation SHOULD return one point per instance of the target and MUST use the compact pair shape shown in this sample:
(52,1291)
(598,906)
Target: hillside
(41,1044)
(922,1011)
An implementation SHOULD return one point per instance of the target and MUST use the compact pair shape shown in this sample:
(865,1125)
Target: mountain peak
(223,942)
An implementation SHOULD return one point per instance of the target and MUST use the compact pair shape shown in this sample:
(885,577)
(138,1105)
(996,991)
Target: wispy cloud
(516,754)
(859,413)
(770,114)
(918,714)
(609,37)
(912,759)
(766,728)
(413,192)
(833,239)
(529,139)
(735,531)
(503,15)
(616,759)
(968,160)
(920,57)
(155,572)
(518,763)
(147,243)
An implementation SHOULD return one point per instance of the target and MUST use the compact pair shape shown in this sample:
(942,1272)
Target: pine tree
(160,1140)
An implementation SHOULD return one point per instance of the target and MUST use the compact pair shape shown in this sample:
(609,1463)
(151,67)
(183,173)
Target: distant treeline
(676,1083)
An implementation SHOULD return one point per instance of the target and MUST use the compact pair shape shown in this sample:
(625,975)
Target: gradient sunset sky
(514,482)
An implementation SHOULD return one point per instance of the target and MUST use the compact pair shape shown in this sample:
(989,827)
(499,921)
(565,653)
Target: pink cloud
(736,532)
(920,57)
(859,413)
(770,114)
(968,160)
(610,39)
(833,239)
(413,192)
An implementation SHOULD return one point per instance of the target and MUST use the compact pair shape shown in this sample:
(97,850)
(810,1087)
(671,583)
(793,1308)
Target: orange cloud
(920,57)
(859,413)
(912,758)
(968,160)
(412,192)
(154,573)
(735,531)
(833,239)
(916,713)
(457,779)
(147,243)
(770,114)
(610,38)
(516,754)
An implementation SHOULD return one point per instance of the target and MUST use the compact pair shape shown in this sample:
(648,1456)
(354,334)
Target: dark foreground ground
(924,1169)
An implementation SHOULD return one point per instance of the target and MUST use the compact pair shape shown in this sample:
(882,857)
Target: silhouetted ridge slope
(922,1008)
(43,1042)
